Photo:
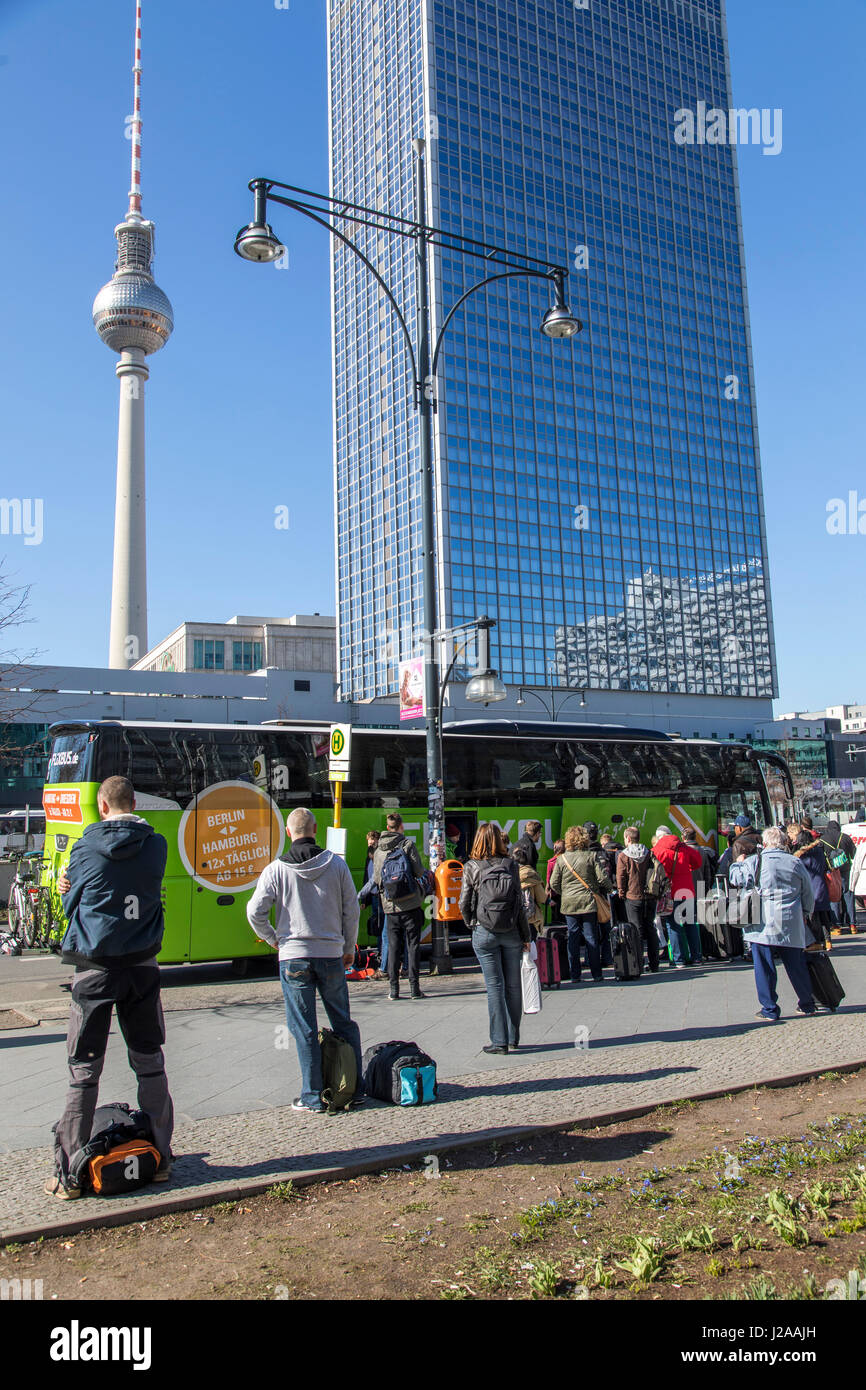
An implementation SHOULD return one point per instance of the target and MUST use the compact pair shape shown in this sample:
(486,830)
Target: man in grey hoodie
(632,871)
(316,929)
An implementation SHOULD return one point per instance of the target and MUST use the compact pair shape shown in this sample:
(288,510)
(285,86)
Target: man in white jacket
(315,930)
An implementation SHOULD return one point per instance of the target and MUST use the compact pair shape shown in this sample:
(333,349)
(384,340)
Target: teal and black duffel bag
(400,1073)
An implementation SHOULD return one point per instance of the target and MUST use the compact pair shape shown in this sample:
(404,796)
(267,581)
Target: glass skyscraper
(600,497)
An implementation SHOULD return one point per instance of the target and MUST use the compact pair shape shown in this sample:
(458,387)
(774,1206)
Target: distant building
(849,719)
(803,745)
(304,642)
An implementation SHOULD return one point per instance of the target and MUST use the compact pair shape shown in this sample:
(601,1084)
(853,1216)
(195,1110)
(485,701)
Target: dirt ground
(758,1195)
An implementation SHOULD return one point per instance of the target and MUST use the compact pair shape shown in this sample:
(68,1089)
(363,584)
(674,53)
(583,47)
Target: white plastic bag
(530,985)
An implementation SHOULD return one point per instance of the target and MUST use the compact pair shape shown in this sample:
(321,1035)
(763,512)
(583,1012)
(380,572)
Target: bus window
(73,758)
(754,809)
(225,755)
(288,769)
(386,769)
(158,762)
(731,805)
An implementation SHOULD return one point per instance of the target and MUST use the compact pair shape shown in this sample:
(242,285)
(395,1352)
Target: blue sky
(239,414)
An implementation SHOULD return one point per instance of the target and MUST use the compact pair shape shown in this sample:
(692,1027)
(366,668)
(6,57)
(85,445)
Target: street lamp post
(258,242)
(552,710)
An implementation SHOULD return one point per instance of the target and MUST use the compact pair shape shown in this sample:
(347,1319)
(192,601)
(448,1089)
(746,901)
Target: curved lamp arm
(505,275)
(548,709)
(443,686)
(298,207)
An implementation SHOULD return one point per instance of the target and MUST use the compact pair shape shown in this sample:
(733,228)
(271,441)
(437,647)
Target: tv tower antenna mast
(134,318)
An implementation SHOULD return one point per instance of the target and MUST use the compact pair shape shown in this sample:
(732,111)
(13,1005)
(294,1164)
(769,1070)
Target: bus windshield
(73,757)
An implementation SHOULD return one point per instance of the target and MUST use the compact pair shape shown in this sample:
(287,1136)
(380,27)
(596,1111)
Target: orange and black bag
(120,1154)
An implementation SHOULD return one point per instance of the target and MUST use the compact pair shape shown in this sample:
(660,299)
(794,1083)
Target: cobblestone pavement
(658,1039)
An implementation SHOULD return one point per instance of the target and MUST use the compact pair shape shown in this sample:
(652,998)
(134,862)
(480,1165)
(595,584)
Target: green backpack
(339,1071)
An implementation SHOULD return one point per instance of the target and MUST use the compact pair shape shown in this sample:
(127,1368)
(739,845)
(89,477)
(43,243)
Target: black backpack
(398,880)
(120,1154)
(399,1072)
(497,896)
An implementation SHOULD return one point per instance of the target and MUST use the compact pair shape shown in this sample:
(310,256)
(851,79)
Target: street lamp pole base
(441,960)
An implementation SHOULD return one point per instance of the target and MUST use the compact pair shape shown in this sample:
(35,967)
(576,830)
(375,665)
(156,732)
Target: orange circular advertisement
(228,834)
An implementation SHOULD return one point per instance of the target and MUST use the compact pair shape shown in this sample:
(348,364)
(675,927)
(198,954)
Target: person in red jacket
(679,861)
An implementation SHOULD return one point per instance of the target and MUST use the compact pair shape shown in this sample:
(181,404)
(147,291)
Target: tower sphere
(131,311)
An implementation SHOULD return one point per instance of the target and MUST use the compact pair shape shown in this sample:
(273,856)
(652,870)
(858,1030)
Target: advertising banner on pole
(411,675)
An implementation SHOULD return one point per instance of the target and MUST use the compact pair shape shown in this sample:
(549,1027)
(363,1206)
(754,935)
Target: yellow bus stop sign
(340,752)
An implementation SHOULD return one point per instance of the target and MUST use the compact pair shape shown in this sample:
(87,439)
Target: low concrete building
(304,642)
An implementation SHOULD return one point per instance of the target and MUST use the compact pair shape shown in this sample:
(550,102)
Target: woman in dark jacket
(811,855)
(556,917)
(501,936)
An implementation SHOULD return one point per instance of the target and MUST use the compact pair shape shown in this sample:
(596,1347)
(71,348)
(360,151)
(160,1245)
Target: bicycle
(22,911)
(31,911)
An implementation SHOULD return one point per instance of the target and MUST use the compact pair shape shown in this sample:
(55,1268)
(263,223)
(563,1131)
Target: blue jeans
(794,961)
(499,955)
(300,979)
(845,909)
(383,946)
(584,928)
(685,940)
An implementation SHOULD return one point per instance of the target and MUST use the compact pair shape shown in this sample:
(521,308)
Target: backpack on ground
(400,1073)
(120,1154)
(398,877)
(364,966)
(339,1071)
(496,897)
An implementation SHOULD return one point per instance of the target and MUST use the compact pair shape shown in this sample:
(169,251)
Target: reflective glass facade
(600,498)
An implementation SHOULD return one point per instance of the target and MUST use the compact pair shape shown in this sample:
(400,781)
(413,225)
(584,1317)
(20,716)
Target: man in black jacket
(111,894)
(746,841)
(404,916)
(530,840)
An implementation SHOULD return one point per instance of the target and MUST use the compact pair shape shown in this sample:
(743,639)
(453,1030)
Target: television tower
(134,318)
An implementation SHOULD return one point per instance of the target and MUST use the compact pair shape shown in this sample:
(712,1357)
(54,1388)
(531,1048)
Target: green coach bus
(221,793)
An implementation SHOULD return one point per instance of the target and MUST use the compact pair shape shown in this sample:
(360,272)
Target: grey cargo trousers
(133,991)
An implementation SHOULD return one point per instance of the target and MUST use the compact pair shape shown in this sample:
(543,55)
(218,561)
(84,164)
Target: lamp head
(485,688)
(257,242)
(559,321)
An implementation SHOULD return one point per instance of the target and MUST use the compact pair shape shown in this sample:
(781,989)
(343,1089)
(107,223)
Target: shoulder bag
(602,905)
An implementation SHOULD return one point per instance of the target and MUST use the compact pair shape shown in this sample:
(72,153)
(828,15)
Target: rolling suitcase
(547,961)
(560,936)
(627,951)
(825,982)
(721,937)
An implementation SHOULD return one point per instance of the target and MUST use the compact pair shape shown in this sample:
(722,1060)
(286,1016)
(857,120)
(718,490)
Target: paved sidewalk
(658,1039)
